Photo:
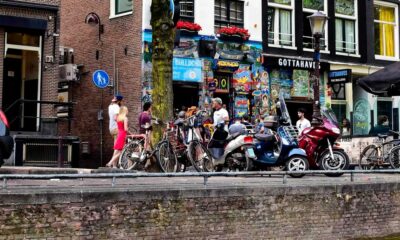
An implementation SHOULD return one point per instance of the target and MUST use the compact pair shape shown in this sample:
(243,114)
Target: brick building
(29,42)
(112,42)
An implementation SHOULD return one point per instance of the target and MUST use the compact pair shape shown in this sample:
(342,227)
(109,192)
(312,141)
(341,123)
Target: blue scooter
(278,145)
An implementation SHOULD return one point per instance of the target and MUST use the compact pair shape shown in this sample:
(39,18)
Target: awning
(22,22)
(385,82)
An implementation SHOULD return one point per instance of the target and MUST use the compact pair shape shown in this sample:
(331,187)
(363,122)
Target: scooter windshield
(330,116)
(284,110)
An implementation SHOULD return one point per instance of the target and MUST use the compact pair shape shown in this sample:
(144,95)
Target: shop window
(121,7)
(386,33)
(338,91)
(280,22)
(187,10)
(340,111)
(384,108)
(309,7)
(345,26)
(228,13)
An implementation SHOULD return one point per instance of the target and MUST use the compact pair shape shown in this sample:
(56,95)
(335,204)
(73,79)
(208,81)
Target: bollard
(284,178)
(60,157)
(113,182)
(351,177)
(205,180)
(4,183)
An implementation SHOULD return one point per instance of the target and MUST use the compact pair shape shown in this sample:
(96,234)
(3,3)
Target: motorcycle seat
(233,136)
(265,137)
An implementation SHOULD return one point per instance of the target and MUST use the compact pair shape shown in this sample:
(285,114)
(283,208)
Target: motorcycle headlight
(336,130)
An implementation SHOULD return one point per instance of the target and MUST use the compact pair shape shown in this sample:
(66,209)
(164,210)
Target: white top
(219,117)
(113,110)
(302,124)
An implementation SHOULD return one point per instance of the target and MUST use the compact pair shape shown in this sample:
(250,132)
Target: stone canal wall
(324,212)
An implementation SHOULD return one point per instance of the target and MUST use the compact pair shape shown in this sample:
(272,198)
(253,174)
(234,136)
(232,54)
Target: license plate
(250,153)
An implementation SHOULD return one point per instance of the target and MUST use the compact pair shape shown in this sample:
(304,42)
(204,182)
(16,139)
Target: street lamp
(317,22)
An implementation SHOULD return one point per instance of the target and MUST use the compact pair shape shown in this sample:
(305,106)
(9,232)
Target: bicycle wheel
(394,157)
(130,156)
(369,158)
(200,157)
(166,157)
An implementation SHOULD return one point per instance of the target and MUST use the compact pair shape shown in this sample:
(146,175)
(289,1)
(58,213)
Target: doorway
(185,95)
(293,106)
(21,81)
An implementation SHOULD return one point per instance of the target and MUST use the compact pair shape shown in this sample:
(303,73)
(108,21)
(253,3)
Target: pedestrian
(113,110)
(221,115)
(346,127)
(382,127)
(122,123)
(303,122)
(145,117)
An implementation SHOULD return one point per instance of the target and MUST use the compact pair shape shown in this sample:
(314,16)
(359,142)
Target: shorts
(114,133)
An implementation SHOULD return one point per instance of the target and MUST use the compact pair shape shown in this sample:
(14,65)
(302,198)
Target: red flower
(188,26)
(244,33)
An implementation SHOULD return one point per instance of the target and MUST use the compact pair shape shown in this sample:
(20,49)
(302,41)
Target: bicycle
(382,154)
(138,150)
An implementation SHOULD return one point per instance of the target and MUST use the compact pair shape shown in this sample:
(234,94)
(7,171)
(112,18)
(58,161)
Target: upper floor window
(280,22)
(386,32)
(345,26)
(121,7)
(310,7)
(187,10)
(228,13)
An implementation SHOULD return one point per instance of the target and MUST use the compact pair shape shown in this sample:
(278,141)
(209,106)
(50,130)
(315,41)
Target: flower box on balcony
(233,34)
(188,28)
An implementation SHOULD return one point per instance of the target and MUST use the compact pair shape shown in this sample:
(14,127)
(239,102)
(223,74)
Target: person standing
(122,124)
(303,122)
(221,115)
(145,117)
(113,110)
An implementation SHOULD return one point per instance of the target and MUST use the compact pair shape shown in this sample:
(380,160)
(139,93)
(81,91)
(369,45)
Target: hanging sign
(339,76)
(187,69)
(242,81)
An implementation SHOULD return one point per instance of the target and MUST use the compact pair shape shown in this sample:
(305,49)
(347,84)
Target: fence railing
(204,175)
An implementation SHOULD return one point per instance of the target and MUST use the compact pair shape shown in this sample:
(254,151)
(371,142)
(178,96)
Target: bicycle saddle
(146,126)
(382,135)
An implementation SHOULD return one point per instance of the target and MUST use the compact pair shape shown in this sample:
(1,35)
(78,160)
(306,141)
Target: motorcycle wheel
(340,162)
(200,158)
(166,158)
(297,163)
(130,156)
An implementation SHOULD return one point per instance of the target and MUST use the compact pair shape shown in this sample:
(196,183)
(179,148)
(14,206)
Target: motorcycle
(279,146)
(225,151)
(319,143)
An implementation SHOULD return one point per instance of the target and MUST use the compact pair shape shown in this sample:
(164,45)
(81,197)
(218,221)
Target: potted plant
(235,34)
(188,28)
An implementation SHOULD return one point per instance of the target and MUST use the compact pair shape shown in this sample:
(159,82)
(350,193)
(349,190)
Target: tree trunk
(163,46)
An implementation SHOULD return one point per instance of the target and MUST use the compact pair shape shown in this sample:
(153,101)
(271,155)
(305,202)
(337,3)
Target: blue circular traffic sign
(101,79)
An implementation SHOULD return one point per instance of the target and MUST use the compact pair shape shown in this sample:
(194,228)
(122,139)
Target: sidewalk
(51,170)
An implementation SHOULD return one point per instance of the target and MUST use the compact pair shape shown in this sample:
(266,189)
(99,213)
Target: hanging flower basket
(234,34)
(188,28)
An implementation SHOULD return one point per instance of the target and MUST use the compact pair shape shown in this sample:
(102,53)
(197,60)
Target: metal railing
(204,175)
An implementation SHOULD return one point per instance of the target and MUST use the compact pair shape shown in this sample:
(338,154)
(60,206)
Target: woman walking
(122,123)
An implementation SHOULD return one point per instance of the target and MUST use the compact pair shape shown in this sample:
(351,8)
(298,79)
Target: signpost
(101,79)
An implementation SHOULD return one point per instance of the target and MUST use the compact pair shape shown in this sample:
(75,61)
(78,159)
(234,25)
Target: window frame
(278,7)
(113,9)
(354,18)
(396,31)
(228,22)
(325,38)
(187,18)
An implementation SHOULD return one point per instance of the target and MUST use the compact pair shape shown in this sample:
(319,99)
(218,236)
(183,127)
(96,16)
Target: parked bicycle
(381,154)
(138,150)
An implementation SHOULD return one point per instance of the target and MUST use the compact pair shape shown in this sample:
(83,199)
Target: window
(187,10)
(280,22)
(384,108)
(385,26)
(345,26)
(228,13)
(121,7)
(310,7)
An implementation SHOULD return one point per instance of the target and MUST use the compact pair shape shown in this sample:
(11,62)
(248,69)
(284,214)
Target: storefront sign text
(187,69)
(339,76)
(229,64)
(294,63)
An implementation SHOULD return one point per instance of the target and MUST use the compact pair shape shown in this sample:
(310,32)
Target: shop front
(292,77)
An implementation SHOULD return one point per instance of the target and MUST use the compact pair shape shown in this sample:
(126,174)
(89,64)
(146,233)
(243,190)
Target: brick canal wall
(327,212)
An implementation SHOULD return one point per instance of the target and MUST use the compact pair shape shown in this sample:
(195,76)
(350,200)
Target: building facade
(103,35)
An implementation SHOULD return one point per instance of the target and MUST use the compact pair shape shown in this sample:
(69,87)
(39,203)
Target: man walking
(113,110)
(220,114)
(302,123)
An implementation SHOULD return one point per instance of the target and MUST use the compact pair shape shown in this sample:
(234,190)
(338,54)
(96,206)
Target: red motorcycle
(321,149)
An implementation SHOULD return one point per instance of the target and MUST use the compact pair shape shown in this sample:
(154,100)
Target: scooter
(225,151)
(278,146)
(319,143)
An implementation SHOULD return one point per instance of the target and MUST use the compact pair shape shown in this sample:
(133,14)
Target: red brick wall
(119,33)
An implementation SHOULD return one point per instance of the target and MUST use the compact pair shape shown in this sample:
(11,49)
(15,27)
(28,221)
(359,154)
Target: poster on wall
(241,106)
(147,68)
(361,117)
(301,83)
(242,81)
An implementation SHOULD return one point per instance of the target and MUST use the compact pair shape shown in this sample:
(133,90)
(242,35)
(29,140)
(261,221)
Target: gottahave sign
(186,69)
(339,76)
